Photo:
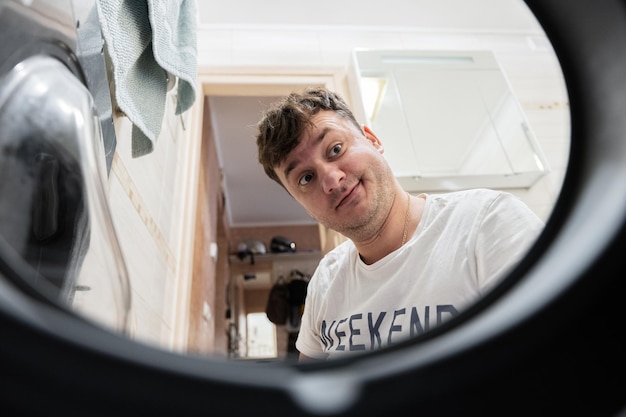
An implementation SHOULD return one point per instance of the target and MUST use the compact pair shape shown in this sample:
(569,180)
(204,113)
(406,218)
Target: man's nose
(332,177)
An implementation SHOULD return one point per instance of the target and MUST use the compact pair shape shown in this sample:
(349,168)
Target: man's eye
(335,150)
(305,179)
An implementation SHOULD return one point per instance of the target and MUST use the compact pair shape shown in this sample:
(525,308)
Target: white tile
(215,47)
(147,266)
(276,47)
(445,41)
(149,326)
(336,46)
(557,155)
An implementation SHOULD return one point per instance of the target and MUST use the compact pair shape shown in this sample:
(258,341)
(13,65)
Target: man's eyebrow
(292,165)
(288,169)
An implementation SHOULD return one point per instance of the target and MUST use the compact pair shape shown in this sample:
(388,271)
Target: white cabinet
(447,120)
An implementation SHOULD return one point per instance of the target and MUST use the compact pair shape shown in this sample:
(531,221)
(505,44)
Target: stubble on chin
(359,225)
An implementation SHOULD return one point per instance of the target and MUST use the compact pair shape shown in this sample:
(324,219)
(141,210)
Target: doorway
(212,291)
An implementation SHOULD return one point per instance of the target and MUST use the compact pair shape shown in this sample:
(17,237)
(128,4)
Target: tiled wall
(148,197)
(147,207)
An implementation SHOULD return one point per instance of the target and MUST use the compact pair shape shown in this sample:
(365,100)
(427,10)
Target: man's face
(338,174)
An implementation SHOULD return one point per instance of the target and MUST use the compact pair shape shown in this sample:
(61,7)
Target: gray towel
(147,42)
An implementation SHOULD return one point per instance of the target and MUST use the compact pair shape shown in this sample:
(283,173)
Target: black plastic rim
(551,344)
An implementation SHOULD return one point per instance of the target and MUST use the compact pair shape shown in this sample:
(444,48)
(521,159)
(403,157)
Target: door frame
(227,81)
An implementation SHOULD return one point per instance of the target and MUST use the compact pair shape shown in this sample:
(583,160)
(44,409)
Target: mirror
(409,97)
(165,206)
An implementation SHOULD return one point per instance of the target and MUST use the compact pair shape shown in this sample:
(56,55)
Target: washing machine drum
(53,211)
(559,329)
(42,210)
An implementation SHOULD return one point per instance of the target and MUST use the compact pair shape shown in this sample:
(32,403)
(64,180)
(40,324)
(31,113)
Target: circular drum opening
(548,342)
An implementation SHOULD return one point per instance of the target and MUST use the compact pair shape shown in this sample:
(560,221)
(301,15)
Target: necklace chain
(406,219)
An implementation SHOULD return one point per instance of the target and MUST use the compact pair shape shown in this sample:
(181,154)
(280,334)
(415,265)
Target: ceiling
(252,199)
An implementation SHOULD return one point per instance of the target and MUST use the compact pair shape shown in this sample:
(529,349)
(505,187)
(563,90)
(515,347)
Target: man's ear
(371,136)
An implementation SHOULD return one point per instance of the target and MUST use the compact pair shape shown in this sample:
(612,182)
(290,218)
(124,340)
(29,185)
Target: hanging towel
(148,42)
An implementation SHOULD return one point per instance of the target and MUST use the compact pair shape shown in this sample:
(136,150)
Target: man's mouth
(346,197)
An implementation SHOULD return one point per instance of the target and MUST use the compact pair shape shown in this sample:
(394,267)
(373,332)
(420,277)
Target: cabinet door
(447,120)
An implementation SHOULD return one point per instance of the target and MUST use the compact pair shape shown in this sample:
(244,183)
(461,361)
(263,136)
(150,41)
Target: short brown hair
(284,121)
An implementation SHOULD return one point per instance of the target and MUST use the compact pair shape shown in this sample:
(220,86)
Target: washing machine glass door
(54,218)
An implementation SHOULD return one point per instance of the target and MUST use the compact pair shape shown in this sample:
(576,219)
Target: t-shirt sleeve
(507,231)
(308,340)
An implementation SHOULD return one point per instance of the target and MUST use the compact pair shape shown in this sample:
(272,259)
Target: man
(411,262)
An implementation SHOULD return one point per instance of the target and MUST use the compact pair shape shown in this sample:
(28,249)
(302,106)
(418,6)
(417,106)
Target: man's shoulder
(330,266)
(342,251)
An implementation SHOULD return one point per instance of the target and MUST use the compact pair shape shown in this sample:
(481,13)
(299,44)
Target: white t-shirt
(464,242)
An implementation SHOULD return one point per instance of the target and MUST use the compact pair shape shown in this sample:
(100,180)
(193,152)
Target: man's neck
(403,220)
